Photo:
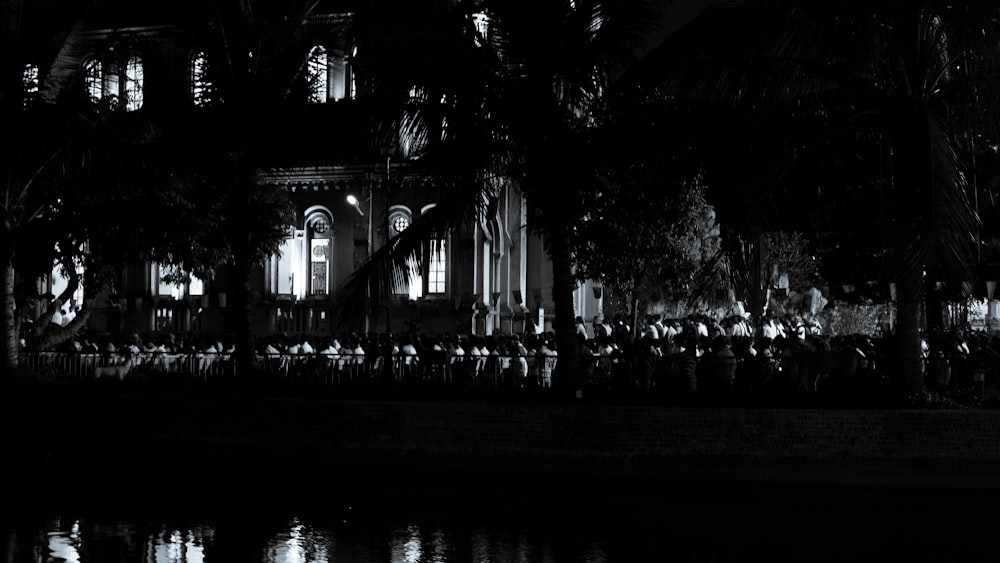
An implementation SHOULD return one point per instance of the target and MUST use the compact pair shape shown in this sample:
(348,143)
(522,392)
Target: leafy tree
(644,237)
(256,52)
(786,255)
(517,101)
(67,170)
(917,76)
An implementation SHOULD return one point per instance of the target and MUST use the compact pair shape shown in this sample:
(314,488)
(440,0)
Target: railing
(120,365)
(677,372)
(337,369)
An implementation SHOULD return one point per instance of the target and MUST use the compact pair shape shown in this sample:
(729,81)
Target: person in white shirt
(701,327)
(548,357)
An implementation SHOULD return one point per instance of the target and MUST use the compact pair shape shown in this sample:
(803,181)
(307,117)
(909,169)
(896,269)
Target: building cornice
(332,178)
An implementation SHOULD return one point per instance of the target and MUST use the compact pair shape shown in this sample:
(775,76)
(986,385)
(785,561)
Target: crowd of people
(697,353)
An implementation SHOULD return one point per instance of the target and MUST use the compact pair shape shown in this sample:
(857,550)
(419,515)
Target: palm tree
(48,170)
(518,99)
(917,76)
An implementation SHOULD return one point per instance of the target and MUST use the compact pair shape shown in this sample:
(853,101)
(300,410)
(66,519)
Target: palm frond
(388,271)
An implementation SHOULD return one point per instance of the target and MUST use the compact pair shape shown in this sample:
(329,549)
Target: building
(349,200)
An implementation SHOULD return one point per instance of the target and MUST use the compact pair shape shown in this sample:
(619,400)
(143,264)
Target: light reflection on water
(795,524)
(297,542)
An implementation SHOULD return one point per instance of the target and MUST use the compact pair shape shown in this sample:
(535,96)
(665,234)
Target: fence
(335,369)
(677,372)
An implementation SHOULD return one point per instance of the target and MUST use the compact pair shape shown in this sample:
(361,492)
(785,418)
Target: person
(581,327)
(661,329)
(724,361)
(547,357)
(601,328)
(650,331)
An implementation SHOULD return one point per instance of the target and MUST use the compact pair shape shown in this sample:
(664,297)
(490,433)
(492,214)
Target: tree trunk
(910,378)
(243,361)
(934,309)
(10,314)
(569,376)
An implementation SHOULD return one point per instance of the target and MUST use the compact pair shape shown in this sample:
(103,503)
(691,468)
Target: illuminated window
(319,269)
(115,86)
(283,268)
(94,80)
(352,90)
(320,251)
(399,220)
(400,223)
(133,84)
(437,266)
(318,73)
(482,24)
(30,80)
(329,76)
(191,286)
(201,86)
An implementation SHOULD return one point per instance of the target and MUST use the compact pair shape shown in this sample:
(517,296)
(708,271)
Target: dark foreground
(633,482)
(228,437)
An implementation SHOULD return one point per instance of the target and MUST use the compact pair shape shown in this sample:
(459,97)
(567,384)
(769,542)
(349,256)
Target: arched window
(329,75)
(133,84)
(93,77)
(201,86)
(437,261)
(29,77)
(114,85)
(400,218)
(304,265)
(432,278)
(320,252)
(318,75)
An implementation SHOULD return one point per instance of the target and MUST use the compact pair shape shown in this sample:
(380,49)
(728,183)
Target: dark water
(489,520)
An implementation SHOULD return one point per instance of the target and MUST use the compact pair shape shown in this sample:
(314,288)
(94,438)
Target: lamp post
(356,204)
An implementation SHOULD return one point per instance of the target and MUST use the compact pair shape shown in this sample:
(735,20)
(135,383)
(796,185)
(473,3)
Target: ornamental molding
(315,178)
(332,178)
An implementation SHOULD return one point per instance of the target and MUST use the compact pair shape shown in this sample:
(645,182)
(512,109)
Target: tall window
(29,77)
(320,251)
(399,221)
(201,86)
(191,286)
(133,84)
(437,266)
(482,24)
(319,270)
(283,273)
(94,79)
(352,88)
(318,74)
(432,278)
(116,86)
(328,75)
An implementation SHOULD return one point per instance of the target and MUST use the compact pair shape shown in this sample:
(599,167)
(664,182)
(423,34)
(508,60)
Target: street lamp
(353,201)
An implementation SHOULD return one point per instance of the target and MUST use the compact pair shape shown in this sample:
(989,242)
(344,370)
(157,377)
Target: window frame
(117,84)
